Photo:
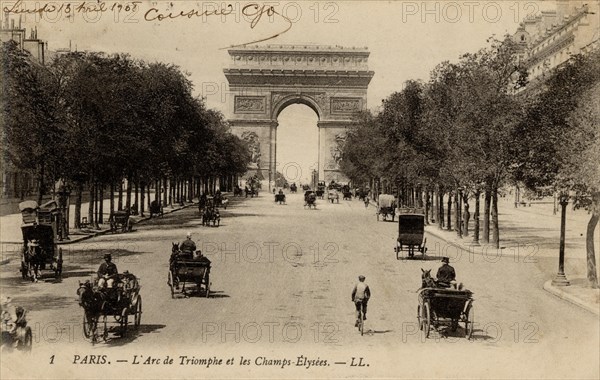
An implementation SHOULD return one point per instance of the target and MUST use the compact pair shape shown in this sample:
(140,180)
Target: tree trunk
(142,198)
(449,219)
(101,204)
(91,189)
(592,274)
(476,217)
(156,191)
(427,207)
(495,226)
(466,215)
(136,195)
(96,204)
(148,193)
(456,216)
(128,194)
(441,208)
(112,198)
(485,237)
(164,191)
(77,222)
(41,189)
(120,204)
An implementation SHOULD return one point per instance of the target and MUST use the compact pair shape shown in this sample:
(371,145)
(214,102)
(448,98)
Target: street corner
(577,293)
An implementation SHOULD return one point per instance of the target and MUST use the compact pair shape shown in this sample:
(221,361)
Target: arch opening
(297,142)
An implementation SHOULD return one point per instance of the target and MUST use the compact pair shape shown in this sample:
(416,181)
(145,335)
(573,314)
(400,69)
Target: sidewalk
(11,236)
(533,233)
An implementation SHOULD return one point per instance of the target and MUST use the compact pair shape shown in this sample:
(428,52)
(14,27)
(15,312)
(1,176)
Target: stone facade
(550,38)
(264,80)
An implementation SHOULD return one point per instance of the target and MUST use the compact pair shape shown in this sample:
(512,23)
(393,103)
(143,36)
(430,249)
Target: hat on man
(446,260)
(107,256)
(189,234)
(361,277)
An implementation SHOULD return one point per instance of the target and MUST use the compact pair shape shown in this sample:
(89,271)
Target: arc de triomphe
(263,80)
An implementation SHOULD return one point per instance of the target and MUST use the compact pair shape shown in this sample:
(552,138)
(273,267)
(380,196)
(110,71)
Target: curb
(569,297)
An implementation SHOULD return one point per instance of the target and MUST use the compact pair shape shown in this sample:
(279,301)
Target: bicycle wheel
(361,325)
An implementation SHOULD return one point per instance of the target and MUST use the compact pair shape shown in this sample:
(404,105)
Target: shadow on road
(131,335)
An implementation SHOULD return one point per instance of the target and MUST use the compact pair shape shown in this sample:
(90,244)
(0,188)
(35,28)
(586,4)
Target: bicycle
(360,322)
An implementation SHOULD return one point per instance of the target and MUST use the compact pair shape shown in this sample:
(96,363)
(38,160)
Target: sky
(406,39)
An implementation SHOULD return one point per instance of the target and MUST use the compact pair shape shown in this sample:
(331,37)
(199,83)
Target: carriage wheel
(218,222)
(124,321)
(59,264)
(207,285)
(26,340)
(138,312)
(469,324)
(426,319)
(171,283)
(105,330)
(398,250)
(419,319)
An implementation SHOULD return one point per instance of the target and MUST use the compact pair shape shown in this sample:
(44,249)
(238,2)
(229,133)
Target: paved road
(281,284)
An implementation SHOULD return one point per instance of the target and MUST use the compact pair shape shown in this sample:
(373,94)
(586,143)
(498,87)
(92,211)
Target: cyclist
(360,296)
(366,201)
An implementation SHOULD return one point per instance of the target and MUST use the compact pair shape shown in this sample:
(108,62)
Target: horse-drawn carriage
(444,307)
(237,191)
(39,228)
(310,199)
(347,193)
(386,206)
(280,198)
(188,268)
(15,332)
(156,208)
(362,193)
(119,221)
(333,196)
(320,192)
(210,213)
(119,302)
(411,232)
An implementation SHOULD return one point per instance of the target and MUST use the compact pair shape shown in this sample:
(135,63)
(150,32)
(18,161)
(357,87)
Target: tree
(560,138)
(30,115)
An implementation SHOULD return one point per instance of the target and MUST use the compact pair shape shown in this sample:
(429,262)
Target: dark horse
(93,302)
(33,259)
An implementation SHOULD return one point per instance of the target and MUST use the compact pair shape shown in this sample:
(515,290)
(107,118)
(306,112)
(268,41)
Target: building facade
(551,37)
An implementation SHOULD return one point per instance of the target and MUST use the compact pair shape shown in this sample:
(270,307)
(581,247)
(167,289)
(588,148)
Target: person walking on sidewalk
(360,296)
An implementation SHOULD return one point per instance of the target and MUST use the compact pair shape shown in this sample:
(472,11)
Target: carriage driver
(107,272)
(188,246)
(446,276)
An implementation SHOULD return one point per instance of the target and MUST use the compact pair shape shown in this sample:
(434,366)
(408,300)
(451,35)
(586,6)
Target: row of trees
(93,119)
(472,129)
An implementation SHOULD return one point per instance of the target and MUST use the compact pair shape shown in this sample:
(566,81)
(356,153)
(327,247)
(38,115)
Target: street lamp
(560,279)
